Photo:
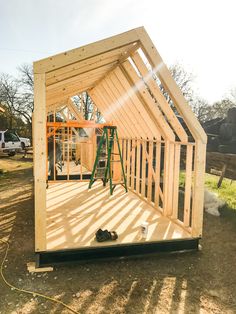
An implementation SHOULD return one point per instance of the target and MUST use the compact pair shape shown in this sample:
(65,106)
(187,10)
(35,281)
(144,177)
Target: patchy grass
(227,191)
(10,166)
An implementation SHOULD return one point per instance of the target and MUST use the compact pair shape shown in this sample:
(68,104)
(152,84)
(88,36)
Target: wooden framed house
(164,158)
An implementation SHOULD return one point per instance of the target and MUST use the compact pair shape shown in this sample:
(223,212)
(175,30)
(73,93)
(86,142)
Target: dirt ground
(197,282)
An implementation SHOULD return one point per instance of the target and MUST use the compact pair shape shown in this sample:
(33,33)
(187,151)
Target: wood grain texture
(75,213)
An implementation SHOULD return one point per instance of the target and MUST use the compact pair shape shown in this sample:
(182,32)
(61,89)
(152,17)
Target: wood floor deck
(74,214)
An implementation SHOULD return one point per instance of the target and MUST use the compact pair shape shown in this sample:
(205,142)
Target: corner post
(198,188)
(39,134)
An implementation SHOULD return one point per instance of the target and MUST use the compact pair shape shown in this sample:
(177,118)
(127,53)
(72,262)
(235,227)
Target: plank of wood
(150,168)
(143,176)
(74,110)
(132,94)
(104,103)
(40,155)
(133,162)
(87,74)
(86,52)
(168,178)
(73,89)
(165,107)
(128,174)
(216,161)
(137,187)
(114,108)
(124,155)
(222,175)
(198,188)
(117,105)
(83,66)
(158,173)
(170,85)
(188,185)
(101,103)
(31,267)
(151,106)
(62,95)
(176,181)
(125,105)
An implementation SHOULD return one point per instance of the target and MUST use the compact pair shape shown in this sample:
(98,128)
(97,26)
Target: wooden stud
(119,105)
(81,67)
(150,174)
(116,105)
(108,99)
(143,182)
(123,96)
(176,181)
(158,170)
(128,161)
(133,162)
(198,188)
(188,185)
(170,85)
(86,52)
(142,115)
(104,101)
(165,107)
(137,188)
(168,178)
(151,106)
(87,75)
(124,155)
(39,135)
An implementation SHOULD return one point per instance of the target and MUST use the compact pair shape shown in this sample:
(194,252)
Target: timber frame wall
(120,74)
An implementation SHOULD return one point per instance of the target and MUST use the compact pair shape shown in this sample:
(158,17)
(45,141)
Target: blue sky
(198,34)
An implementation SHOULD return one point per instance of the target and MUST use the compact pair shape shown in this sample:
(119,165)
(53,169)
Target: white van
(9,143)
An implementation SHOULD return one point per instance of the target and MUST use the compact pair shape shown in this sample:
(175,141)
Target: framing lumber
(78,124)
(74,110)
(188,185)
(90,74)
(116,107)
(198,188)
(105,95)
(39,135)
(170,85)
(123,96)
(165,107)
(151,106)
(94,63)
(144,116)
(123,88)
(123,103)
(86,52)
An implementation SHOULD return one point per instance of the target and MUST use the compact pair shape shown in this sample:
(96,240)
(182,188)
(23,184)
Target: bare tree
(26,84)
(201,108)
(16,96)
(86,107)
(9,92)
(183,79)
(232,95)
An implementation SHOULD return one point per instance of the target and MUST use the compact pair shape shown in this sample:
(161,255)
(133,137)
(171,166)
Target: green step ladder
(102,166)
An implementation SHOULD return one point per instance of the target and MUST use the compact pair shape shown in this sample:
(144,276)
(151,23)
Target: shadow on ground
(199,282)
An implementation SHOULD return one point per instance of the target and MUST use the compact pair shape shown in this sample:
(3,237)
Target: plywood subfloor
(74,214)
